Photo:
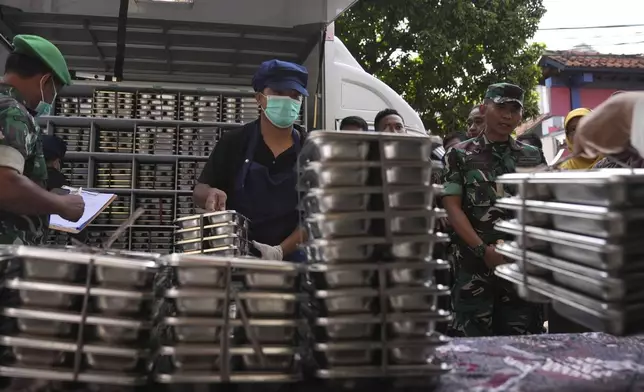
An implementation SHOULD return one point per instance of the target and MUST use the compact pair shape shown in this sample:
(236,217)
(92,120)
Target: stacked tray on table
(222,233)
(579,244)
(76,316)
(367,200)
(211,329)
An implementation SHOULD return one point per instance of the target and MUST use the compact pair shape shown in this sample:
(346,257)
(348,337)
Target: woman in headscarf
(570,125)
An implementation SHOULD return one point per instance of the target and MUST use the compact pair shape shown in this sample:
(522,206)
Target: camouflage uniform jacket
(471,169)
(21,149)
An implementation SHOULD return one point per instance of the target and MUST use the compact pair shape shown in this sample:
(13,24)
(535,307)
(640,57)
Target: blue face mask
(282,111)
(44,108)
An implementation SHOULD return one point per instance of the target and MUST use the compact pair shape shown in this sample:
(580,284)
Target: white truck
(209,44)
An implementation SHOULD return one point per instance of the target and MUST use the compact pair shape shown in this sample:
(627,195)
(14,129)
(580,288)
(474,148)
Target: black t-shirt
(55,179)
(227,158)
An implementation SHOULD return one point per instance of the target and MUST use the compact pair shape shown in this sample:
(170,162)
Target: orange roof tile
(576,59)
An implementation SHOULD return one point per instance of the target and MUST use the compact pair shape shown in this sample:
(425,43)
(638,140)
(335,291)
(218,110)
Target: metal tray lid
(570,209)
(436,289)
(438,315)
(364,241)
(362,190)
(558,237)
(219,321)
(183,260)
(47,343)
(210,214)
(425,264)
(318,166)
(74,318)
(206,349)
(613,176)
(601,309)
(71,255)
(89,377)
(434,339)
(427,212)
(29,285)
(244,295)
(320,137)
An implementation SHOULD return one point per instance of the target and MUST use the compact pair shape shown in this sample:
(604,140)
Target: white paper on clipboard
(95,203)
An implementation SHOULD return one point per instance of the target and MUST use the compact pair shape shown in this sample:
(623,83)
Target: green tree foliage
(442,54)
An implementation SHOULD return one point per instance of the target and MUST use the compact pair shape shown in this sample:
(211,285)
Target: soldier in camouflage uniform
(485,305)
(34,72)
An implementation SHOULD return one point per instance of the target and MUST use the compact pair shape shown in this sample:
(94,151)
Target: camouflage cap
(505,92)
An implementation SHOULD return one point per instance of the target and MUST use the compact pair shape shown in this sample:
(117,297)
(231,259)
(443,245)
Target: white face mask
(44,108)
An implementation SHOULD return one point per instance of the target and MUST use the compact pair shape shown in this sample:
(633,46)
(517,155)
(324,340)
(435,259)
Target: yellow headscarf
(577,163)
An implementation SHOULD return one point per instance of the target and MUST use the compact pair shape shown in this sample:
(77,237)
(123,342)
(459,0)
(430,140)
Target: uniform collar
(484,142)
(13,92)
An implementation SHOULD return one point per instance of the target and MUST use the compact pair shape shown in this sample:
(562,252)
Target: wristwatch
(479,250)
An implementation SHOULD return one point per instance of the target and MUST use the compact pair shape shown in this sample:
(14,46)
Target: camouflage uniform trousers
(485,305)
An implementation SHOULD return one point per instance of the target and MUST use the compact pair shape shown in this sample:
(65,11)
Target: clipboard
(95,203)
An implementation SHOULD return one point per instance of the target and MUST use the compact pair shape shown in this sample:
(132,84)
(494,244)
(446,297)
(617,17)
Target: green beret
(35,46)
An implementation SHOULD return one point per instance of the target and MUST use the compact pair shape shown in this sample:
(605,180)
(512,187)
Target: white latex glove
(269,252)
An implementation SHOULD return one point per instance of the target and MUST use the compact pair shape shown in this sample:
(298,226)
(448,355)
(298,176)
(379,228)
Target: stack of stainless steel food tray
(222,233)
(76,316)
(578,243)
(212,329)
(368,201)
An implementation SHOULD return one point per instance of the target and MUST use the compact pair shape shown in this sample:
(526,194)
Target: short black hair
(382,114)
(531,139)
(461,136)
(27,66)
(354,121)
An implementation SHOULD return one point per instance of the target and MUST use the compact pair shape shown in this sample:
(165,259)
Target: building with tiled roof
(583,78)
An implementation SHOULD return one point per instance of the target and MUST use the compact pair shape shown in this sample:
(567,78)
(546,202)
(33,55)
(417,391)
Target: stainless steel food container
(194,302)
(212,218)
(208,271)
(616,187)
(192,233)
(329,226)
(613,318)
(344,328)
(61,264)
(359,199)
(590,251)
(336,174)
(57,323)
(359,146)
(111,363)
(270,281)
(204,302)
(330,276)
(416,298)
(61,296)
(417,324)
(211,242)
(347,354)
(28,356)
(360,250)
(341,250)
(348,301)
(595,221)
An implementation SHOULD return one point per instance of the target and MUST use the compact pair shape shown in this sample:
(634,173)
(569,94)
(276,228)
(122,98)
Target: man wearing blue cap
(252,169)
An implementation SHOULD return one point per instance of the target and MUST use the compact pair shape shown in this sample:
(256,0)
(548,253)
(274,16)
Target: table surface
(589,362)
